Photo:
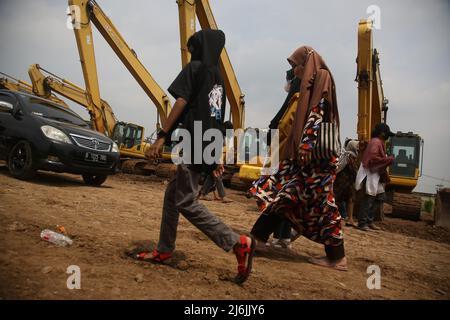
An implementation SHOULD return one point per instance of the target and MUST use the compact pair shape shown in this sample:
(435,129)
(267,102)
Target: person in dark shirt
(200,98)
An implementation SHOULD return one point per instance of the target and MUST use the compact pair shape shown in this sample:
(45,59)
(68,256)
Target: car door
(7,102)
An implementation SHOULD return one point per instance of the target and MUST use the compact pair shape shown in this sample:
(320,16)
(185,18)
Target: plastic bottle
(55,238)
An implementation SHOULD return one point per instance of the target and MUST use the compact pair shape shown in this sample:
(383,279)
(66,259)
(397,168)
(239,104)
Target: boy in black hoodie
(200,97)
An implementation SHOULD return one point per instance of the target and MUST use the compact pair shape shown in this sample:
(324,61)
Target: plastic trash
(56,238)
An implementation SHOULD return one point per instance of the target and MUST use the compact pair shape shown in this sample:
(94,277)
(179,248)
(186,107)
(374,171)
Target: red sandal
(157,257)
(244,256)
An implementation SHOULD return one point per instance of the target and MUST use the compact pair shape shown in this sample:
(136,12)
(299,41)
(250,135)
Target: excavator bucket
(442,208)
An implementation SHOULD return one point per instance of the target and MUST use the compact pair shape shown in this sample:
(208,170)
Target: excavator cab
(129,137)
(406,168)
(407,149)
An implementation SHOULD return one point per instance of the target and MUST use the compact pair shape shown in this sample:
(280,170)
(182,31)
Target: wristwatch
(162,134)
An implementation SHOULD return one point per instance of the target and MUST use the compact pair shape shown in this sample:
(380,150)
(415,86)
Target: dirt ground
(414,257)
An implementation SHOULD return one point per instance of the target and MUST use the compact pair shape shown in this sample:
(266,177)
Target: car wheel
(20,161)
(94,180)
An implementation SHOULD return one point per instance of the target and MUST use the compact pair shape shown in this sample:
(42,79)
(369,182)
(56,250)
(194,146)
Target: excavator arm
(85,45)
(371,101)
(187,11)
(10,83)
(372,104)
(45,84)
(13,84)
(90,11)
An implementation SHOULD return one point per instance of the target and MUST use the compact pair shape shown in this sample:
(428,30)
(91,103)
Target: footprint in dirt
(281,255)
(177,260)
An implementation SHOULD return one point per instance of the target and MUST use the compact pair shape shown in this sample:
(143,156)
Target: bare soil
(105,222)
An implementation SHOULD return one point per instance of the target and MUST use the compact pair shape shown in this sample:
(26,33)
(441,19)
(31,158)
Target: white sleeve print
(215,101)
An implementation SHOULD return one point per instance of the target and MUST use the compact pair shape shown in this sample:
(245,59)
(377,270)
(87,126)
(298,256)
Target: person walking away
(200,96)
(372,176)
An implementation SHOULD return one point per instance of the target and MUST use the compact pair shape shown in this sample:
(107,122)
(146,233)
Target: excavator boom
(369,83)
(13,84)
(91,11)
(85,45)
(45,84)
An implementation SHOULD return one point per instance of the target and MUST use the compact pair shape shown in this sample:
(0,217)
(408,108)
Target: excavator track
(138,166)
(237,183)
(143,167)
(165,170)
(406,206)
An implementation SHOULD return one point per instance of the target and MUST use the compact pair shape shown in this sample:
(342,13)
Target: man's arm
(178,108)
(378,160)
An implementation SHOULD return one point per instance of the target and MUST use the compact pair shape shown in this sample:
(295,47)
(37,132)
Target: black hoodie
(200,83)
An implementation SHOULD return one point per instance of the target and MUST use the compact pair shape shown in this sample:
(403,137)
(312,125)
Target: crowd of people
(311,194)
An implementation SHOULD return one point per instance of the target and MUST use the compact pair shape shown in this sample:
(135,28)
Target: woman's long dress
(304,194)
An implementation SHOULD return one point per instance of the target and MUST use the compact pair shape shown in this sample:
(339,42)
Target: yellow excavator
(90,11)
(128,136)
(87,12)
(247,170)
(407,148)
(13,84)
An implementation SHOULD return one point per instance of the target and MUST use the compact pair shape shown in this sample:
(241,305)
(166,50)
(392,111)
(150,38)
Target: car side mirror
(6,107)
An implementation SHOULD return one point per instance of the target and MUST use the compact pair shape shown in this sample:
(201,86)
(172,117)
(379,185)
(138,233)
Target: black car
(37,134)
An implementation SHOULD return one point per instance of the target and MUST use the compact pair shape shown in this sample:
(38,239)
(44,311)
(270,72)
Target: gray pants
(210,182)
(182,197)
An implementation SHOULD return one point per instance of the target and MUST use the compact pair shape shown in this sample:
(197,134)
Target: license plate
(94,157)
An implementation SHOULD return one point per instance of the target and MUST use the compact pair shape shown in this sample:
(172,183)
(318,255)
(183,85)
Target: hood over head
(206,46)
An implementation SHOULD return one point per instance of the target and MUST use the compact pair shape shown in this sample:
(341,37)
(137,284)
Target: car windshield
(48,110)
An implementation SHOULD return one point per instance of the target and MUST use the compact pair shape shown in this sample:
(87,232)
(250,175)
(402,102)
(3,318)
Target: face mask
(289,77)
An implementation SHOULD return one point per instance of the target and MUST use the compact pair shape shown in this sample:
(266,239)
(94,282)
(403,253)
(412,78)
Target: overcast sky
(413,43)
